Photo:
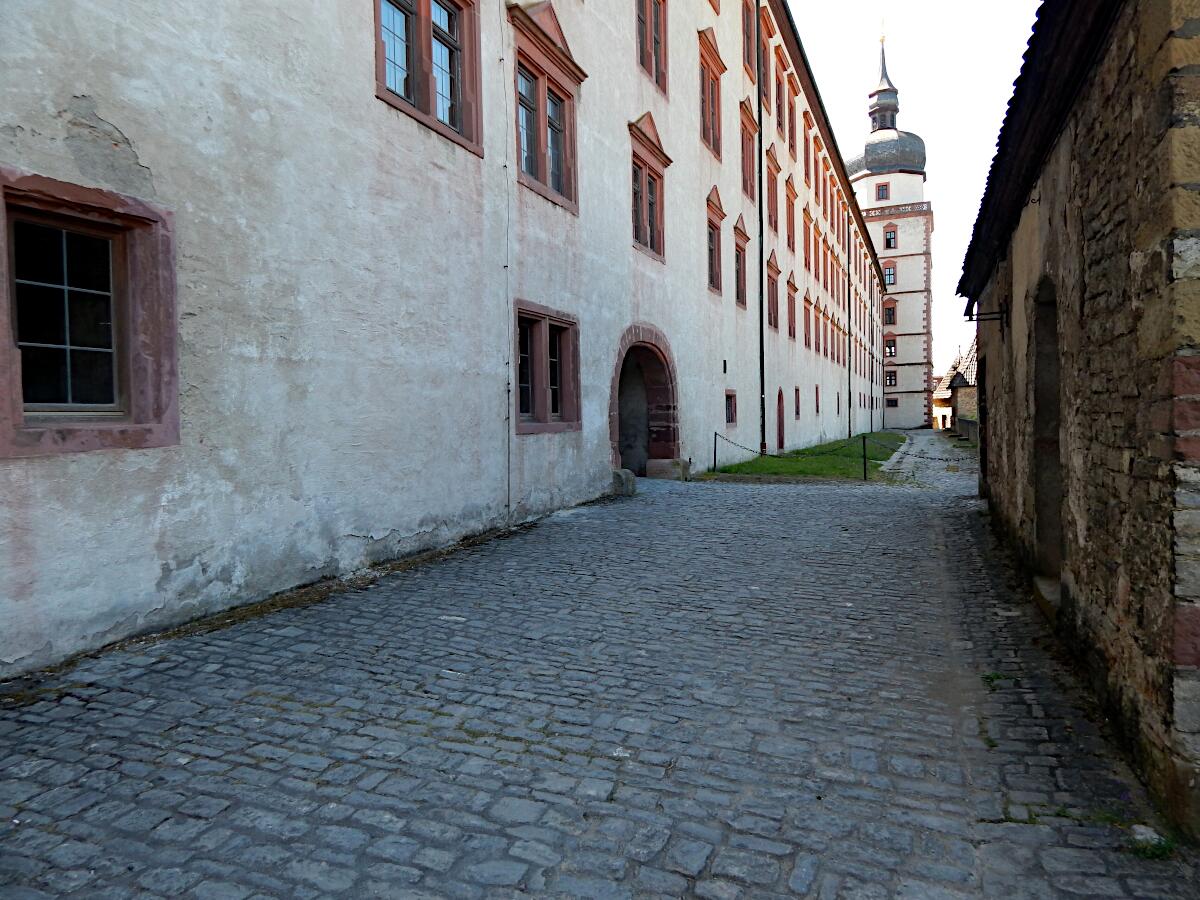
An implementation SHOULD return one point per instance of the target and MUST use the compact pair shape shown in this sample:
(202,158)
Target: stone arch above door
(661,391)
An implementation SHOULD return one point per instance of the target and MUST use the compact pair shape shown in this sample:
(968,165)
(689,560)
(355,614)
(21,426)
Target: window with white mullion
(527,106)
(447,53)
(555,357)
(556,127)
(62,283)
(397,31)
(525,329)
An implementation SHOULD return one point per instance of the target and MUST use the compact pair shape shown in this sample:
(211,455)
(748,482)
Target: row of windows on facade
(865,401)
(64,288)
(545,106)
(830,274)
(834,333)
(548,365)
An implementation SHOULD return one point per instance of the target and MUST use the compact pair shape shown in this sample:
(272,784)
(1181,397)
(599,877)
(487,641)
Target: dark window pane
(524,367)
(43,375)
(526,85)
(92,377)
(91,320)
(556,371)
(41,315)
(87,262)
(654,238)
(527,121)
(39,253)
(445,18)
(445,65)
(555,144)
(637,205)
(397,26)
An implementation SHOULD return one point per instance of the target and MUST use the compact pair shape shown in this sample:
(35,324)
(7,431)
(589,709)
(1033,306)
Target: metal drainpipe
(762,243)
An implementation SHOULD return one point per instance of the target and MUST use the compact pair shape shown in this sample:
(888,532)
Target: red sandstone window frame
(807,238)
(889,312)
(889,378)
(780,105)
(790,195)
(772,189)
(740,239)
(553,68)
(420,107)
(883,191)
(541,419)
(889,274)
(716,215)
(749,151)
(712,67)
(651,59)
(791,306)
(808,311)
(649,162)
(748,39)
(808,149)
(773,271)
(891,234)
(144,301)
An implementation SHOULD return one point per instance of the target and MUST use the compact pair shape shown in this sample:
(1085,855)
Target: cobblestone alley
(713,690)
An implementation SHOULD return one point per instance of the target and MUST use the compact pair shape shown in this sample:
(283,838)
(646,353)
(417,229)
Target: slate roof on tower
(887,148)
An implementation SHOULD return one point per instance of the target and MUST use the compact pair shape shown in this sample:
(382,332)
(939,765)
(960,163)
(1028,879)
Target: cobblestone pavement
(712,690)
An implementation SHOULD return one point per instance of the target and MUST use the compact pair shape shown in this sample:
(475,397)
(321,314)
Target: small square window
(90,302)
(883,191)
(892,402)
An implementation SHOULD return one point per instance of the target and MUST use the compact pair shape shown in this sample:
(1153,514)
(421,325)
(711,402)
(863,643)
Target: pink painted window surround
(547,367)
(136,326)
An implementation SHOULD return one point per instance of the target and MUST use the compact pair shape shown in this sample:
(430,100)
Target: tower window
(883,191)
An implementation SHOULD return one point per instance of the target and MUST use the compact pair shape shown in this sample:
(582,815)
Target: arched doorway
(1047,413)
(643,418)
(779,435)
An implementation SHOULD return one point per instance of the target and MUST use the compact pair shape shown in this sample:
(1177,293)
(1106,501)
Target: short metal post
(864,437)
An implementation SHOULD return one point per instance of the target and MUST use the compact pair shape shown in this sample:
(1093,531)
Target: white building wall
(346,280)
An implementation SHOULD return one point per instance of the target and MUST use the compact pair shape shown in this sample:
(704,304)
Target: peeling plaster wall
(1098,234)
(346,284)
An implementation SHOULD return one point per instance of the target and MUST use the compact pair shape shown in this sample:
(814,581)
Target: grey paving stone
(500,872)
(516,811)
(687,856)
(704,690)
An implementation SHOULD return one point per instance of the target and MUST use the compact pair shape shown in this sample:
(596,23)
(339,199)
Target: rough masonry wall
(1095,241)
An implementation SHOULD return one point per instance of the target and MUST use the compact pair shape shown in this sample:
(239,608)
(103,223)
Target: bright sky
(954,64)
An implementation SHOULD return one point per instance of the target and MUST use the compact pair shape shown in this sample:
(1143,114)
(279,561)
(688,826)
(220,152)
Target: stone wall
(964,402)
(1101,277)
